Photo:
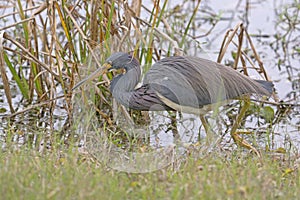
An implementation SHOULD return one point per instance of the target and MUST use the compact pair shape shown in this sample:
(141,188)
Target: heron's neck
(122,86)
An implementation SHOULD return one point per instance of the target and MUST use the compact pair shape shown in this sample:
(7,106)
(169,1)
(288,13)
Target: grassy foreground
(69,175)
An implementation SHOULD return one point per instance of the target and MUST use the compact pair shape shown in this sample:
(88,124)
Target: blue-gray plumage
(182,83)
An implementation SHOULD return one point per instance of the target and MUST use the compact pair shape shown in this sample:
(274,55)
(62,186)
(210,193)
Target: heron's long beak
(102,70)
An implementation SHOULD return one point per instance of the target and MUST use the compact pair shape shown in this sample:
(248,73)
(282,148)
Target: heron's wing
(234,83)
(194,82)
(178,80)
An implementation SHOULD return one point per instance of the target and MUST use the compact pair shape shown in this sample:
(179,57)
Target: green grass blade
(22,84)
(112,7)
(189,24)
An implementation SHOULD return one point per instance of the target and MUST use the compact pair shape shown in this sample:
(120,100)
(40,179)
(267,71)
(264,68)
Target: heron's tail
(267,85)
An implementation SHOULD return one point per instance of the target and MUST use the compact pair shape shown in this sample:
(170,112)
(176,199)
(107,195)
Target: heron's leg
(207,128)
(205,124)
(174,125)
(235,135)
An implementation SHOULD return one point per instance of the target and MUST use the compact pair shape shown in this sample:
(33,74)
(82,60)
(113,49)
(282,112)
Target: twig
(47,68)
(224,45)
(33,107)
(178,50)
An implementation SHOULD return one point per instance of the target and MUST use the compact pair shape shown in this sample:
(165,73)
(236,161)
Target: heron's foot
(242,142)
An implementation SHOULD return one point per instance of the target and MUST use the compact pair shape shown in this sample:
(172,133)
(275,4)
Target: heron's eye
(121,71)
(118,71)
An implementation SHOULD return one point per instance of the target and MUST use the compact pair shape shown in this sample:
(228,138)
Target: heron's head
(128,71)
(121,60)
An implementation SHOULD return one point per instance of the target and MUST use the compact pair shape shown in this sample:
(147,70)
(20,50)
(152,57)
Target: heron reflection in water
(182,83)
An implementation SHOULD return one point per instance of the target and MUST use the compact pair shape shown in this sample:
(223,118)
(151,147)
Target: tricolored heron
(183,83)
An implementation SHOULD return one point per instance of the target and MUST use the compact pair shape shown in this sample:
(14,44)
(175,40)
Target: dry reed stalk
(4,76)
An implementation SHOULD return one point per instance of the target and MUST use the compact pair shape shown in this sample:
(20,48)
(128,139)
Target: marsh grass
(67,174)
